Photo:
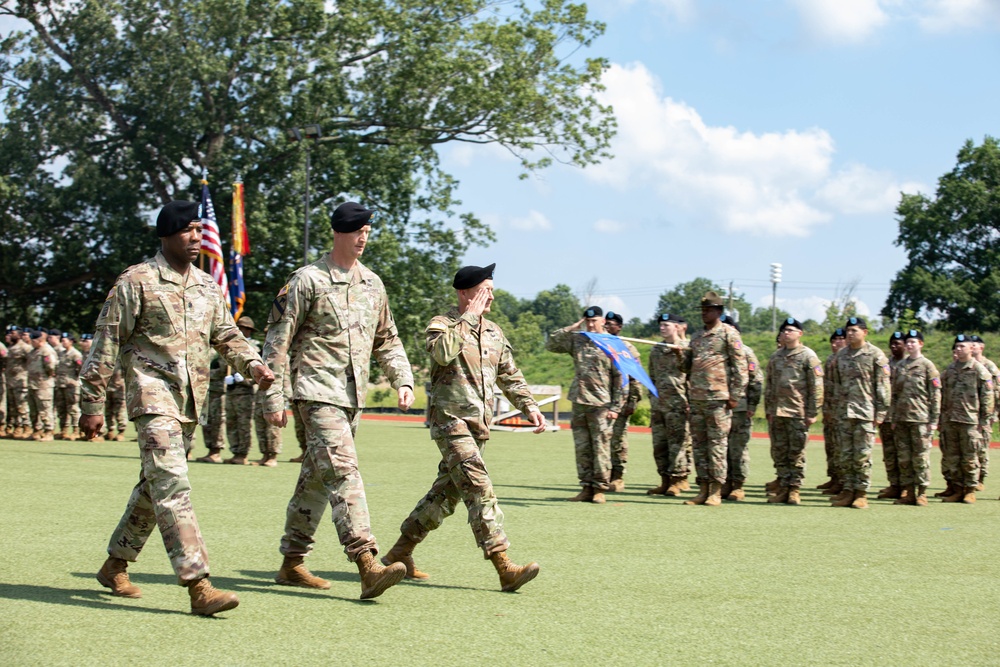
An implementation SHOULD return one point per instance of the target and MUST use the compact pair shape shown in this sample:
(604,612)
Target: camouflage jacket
(894,364)
(755,383)
(861,383)
(17,364)
(161,325)
(794,384)
(42,364)
(596,382)
(995,374)
(967,396)
(716,365)
(916,392)
(829,402)
(3,361)
(68,370)
(666,370)
(469,357)
(216,373)
(329,322)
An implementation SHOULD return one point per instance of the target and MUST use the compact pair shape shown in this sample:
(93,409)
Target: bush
(640,417)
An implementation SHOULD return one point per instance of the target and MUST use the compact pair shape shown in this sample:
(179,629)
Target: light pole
(775,279)
(298,134)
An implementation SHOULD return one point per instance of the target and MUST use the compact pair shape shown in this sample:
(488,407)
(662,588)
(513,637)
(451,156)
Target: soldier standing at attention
(469,354)
(160,319)
(834,485)
(268,435)
(738,450)
(916,408)
(792,401)
(42,364)
(3,384)
(966,411)
(619,430)
(668,417)
(329,321)
(67,396)
(890,456)
(979,346)
(717,381)
(115,411)
(597,399)
(239,404)
(211,430)
(18,413)
(861,390)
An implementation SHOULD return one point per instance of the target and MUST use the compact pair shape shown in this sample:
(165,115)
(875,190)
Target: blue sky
(749,133)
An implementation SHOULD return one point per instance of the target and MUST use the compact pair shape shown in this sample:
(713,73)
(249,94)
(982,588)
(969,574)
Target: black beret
(669,317)
(593,311)
(791,322)
(176,216)
(856,322)
(55,332)
(87,336)
(470,276)
(36,334)
(350,217)
(913,333)
(975,338)
(896,335)
(837,333)
(614,317)
(961,338)
(725,319)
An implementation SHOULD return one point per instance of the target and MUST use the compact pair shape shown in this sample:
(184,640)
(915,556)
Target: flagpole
(201,255)
(669,346)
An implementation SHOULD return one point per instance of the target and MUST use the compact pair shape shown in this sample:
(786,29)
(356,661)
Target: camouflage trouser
(239,417)
(856,440)
(68,406)
(737,448)
(40,405)
(788,449)
(592,441)
(890,454)
(710,424)
(215,412)
(300,427)
(18,413)
(329,474)
(984,452)
(671,440)
(830,434)
(461,476)
(619,446)
(268,436)
(960,453)
(163,498)
(114,411)
(3,402)
(947,473)
(913,448)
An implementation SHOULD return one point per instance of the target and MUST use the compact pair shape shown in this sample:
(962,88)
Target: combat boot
(665,483)
(736,494)
(714,498)
(113,575)
(969,497)
(920,498)
(780,496)
(47,436)
(835,490)
(268,461)
(676,486)
(685,485)
(701,497)
(376,579)
(980,487)
(727,488)
(213,456)
(402,552)
(957,493)
(294,572)
(512,576)
(773,486)
(62,435)
(18,433)
(36,435)
(585,496)
(120,437)
(793,496)
(74,435)
(598,497)
(844,499)
(207,600)
(237,460)
(617,483)
(860,500)
(906,497)
(826,485)
(298,459)
(948,490)
(891,491)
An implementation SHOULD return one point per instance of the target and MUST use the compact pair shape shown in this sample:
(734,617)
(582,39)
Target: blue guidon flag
(627,365)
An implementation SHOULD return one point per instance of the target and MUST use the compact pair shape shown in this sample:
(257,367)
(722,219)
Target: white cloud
(533,222)
(612,303)
(861,190)
(841,21)
(607,226)
(808,307)
(950,15)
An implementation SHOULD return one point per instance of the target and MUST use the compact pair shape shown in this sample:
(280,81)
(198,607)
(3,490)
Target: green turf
(639,581)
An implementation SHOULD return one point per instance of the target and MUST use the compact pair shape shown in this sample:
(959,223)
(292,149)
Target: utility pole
(775,279)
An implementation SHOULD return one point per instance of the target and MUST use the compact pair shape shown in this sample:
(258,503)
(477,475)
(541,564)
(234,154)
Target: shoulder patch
(818,370)
(751,366)
(738,344)
(936,381)
(887,370)
(279,304)
(437,326)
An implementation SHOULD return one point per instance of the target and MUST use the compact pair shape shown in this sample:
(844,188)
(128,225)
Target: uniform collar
(339,275)
(169,273)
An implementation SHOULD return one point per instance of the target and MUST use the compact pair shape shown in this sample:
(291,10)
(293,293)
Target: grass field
(639,581)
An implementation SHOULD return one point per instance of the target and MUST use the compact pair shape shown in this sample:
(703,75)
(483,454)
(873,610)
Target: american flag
(211,240)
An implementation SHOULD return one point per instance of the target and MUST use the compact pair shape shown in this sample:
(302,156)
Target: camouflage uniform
(215,412)
(861,392)
(469,356)
(595,391)
(18,413)
(916,404)
(3,388)
(619,430)
(966,409)
(268,436)
(42,364)
(794,395)
(717,373)
(162,324)
(329,322)
(831,431)
(669,414)
(890,453)
(239,413)
(738,450)
(67,394)
(115,414)
(984,442)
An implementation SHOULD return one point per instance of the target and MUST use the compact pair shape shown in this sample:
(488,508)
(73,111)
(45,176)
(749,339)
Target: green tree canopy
(952,245)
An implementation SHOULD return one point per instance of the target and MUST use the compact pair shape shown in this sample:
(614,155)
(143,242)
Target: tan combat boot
(598,497)
(949,489)
(920,498)
(685,485)
(860,501)
(844,499)
(701,497)
(74,435)
(213,456)
(402,552)
(512,577)
(891,491)
(780,496)
(617,483)
(957,493)
(36,435)
(207,600)
(120,437)
(585,496)
(376,579)
(294,572)
(980,486)
(773,486)
(793,496)
(969,497)
(113,575)
(268,461)
(906,496)
(714,498)
(238,460)
(47,436)
(676,487)
(662,488)
(835,490)
(727,488)
(62,435)
(736,494)
(826,485)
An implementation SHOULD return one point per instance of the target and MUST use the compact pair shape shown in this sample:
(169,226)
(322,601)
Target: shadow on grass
(567,488)
(263,582)
(93,598)
(95,456)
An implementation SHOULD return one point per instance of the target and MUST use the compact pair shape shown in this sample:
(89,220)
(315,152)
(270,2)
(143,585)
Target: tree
(111,108)
(557,307)
(952,245)
(685,300)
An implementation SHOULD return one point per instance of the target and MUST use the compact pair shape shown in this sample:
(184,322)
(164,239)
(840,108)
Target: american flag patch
(936,382)
(818,370)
